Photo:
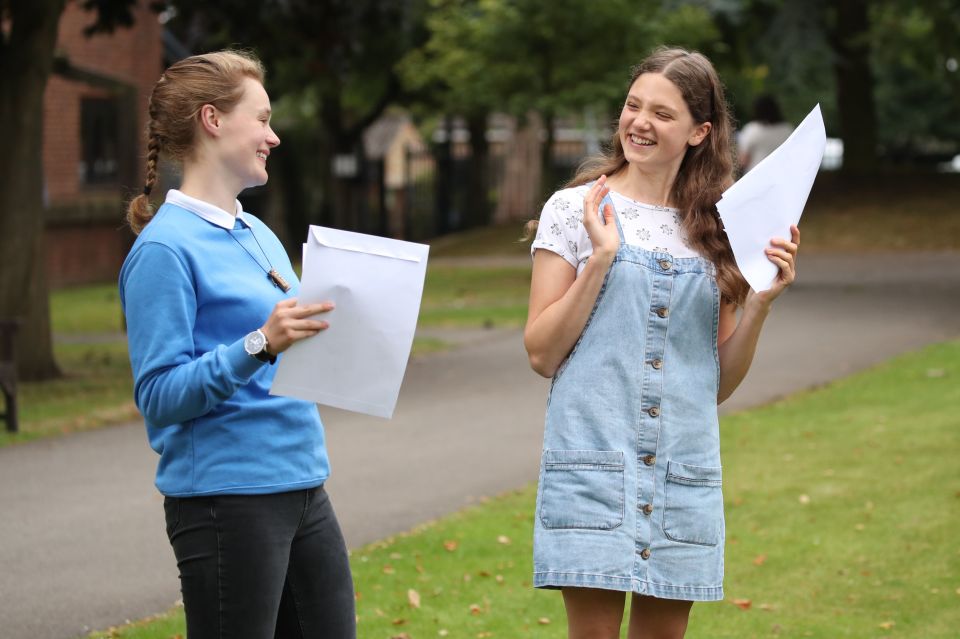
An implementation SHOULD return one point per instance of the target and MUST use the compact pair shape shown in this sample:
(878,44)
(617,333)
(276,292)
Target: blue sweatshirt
(190,294)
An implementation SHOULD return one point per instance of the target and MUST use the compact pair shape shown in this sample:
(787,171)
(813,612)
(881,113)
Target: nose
(272,138)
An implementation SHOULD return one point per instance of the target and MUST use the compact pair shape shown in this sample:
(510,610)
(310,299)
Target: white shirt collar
(207,211)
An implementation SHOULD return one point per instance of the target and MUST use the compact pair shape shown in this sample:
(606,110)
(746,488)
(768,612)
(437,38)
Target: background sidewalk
(82,544)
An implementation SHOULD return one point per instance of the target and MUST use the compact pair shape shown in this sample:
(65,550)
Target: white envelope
(376,284)
(765,202)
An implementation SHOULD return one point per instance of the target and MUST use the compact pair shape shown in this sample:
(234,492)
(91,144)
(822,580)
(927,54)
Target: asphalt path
(82,542)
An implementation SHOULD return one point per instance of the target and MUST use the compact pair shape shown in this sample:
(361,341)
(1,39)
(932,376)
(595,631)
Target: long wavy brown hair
(175,104)
(705,171)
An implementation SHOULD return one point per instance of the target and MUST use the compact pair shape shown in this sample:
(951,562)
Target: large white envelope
(357,363)
(770,198)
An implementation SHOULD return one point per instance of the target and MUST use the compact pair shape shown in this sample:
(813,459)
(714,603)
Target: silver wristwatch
(255,344)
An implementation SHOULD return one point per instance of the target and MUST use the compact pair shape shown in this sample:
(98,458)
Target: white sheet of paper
(376,284)
(765,202)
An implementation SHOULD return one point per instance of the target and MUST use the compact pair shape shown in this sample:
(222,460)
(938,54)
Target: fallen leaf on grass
(742,604)
(503,539)
(804,499)
(499,579)
(402,635)
(399,621)
(388,570)
(414,598)
(451,545)
(443,632)
(887,625)
(543,621)
(475,609)
(759,559)
(482,635)
(765,606)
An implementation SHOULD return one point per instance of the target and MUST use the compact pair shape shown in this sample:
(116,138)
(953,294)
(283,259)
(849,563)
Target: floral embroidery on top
(555,229)
(643,234)
(667,229)
(631,213)
(573,221)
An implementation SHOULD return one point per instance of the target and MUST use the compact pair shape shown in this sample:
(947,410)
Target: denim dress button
(654,411)
(657,364)
(650,460)
(663,311)
(645,553)
(647,509)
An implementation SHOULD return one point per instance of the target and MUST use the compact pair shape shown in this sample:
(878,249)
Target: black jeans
(262,566)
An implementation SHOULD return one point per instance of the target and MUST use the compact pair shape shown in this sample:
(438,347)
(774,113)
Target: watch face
(254,342)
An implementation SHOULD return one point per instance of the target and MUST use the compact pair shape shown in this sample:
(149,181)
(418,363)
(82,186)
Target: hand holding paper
(765,202)
(359,361)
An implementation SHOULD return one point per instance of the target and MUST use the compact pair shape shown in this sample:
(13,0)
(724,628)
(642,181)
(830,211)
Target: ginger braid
(140,212)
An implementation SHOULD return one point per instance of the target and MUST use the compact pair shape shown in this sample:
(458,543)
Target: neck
(649,187)
(203,183)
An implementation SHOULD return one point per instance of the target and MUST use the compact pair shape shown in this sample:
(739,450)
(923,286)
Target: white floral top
(655,228)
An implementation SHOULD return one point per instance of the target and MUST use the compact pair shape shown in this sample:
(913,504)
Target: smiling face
(656,127)
(245,137)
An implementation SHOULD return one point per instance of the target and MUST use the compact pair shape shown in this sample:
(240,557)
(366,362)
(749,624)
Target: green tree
(28,35)
(880,69)
(551,57)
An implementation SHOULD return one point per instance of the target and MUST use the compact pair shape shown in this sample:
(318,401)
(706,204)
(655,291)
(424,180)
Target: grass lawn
(97,388)
(842,510)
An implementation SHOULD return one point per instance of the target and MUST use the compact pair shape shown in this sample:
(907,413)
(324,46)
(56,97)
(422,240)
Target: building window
(100,135)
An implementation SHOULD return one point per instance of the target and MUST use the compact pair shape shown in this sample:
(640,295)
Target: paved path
(81,534)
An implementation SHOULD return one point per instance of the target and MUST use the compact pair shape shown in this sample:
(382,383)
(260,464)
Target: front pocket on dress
(693,508)
(582,489)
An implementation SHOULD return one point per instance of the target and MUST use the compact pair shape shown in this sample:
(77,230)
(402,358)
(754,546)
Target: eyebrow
(265,111)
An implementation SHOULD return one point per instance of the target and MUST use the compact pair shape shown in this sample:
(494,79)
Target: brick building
(95,109)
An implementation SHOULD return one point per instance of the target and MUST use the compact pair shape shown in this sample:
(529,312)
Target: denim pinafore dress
(629,496)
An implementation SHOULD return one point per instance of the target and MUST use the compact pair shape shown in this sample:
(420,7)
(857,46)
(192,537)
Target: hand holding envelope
(357,363)
(768,200)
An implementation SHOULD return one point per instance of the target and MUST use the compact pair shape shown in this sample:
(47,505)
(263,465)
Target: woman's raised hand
(603,236)
(289,323)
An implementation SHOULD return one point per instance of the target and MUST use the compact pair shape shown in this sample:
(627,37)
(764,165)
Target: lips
(263,155)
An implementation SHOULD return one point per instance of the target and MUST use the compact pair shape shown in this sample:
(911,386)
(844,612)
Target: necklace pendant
(278,280)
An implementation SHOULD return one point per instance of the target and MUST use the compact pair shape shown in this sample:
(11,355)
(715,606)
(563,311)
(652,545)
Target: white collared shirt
(207,211)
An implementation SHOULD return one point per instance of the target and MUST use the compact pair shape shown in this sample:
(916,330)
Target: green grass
(842,510)
(97,388)
(463,296)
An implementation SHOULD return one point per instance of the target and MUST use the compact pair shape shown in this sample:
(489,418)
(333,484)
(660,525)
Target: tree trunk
(478,196)
(850,38)
(26,58)
(519,189)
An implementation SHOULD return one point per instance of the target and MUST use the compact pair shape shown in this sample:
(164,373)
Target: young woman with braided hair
(633,314)
(209,297)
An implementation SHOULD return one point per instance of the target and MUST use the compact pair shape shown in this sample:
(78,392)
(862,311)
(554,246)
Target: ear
(210,119)
(699,134)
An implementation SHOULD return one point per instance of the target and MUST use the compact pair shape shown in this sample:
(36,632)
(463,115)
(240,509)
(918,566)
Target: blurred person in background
(764,133)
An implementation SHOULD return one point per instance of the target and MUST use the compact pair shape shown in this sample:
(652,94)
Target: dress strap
(616,218)
(608,200)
